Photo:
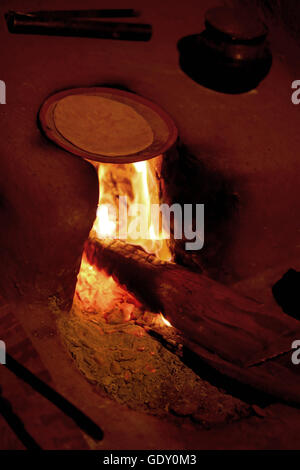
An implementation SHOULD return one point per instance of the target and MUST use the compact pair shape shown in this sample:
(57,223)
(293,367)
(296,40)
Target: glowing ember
(99,293)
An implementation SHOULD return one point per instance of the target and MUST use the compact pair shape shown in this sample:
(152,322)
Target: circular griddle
(164,130)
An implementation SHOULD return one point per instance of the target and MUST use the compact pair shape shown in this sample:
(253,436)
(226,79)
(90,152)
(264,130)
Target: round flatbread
(102,126)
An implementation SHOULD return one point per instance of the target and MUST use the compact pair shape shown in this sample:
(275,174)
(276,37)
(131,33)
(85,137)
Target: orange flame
(138,184)
(97,292)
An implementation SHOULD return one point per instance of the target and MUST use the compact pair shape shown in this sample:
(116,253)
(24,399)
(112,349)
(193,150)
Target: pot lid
(235,23)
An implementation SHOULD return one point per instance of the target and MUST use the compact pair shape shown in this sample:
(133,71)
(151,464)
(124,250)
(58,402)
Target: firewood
(238,329)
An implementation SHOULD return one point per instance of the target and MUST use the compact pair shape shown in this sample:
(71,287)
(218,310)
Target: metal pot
(231,55)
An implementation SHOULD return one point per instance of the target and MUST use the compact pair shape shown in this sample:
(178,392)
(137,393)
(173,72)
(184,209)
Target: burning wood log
(235,335)
(238,329)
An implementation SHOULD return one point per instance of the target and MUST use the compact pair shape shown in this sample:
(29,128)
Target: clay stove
(132,354)
(120,331)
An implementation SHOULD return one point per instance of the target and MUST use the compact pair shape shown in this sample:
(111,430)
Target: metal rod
(16,424)
(80,419)
(104,13)
(80,27)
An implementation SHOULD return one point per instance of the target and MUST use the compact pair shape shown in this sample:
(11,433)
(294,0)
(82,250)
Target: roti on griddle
(102,126)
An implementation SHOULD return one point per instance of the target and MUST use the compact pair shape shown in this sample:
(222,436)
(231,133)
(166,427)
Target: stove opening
(129,351)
